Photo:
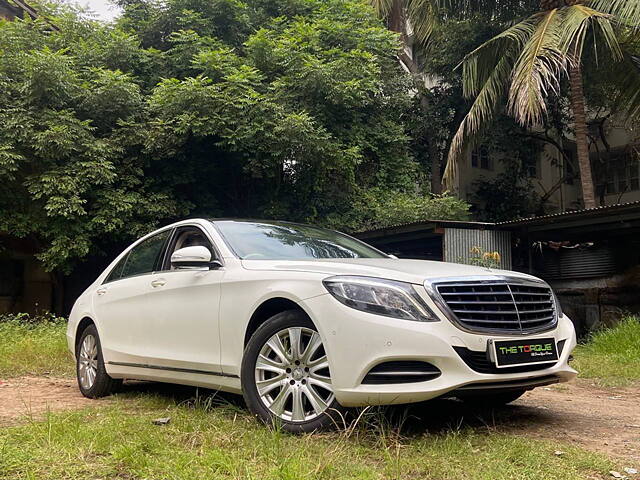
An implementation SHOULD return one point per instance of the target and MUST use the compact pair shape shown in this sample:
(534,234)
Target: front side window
(143,258)
(187,237)
(288,241)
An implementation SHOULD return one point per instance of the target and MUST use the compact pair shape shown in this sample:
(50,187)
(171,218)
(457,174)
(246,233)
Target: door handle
(101,291)
(158,283)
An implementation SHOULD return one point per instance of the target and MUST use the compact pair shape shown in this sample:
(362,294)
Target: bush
(377,208)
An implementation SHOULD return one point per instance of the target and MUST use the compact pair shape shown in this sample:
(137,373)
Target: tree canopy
(290,109)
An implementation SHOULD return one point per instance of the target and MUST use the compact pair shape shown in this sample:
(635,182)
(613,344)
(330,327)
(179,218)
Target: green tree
(293,109)
(66,180)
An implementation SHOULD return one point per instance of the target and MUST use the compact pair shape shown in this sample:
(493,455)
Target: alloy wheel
(292,375)
(88,362)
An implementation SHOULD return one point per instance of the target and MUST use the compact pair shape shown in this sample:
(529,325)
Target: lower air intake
(401,372)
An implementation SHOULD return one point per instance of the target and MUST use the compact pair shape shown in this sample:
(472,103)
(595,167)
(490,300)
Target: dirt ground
(25,398)
(602,420)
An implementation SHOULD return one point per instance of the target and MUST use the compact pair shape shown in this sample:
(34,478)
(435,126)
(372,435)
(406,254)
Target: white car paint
(189,326)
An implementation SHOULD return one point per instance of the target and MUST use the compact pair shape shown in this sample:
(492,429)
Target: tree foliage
(291,109)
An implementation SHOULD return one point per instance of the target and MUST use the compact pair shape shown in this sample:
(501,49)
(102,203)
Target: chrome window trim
(431,285)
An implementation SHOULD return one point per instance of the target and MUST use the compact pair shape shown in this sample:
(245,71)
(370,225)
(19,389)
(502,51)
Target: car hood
(413,271)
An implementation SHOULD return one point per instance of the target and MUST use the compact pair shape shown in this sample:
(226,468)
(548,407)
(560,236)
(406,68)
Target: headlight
(383,297)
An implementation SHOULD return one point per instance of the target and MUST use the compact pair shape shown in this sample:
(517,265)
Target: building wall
(550,168)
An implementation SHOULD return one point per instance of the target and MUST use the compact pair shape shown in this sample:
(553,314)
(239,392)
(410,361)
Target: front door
(185,302)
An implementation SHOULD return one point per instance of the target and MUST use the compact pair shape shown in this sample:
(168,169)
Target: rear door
(122,302)
(183,329)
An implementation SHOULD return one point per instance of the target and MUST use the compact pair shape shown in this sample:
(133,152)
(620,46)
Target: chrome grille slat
(488,312)
(464,294)
(504,304)
(488,302)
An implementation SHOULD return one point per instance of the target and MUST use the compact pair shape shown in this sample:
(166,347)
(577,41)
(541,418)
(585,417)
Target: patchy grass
(205,440)
(33,346)
(611,356)
(211,438)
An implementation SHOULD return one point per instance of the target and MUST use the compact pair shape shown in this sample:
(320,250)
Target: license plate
(510,353)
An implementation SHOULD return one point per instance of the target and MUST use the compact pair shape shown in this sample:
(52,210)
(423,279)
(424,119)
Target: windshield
(289,241)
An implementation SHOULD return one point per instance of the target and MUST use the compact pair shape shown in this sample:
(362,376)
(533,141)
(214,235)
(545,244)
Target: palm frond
(481,113)
(498,10)
(627,81)
(625,11)
(478,65)
(383,7)
(538,70)
(577,22)
(423,16)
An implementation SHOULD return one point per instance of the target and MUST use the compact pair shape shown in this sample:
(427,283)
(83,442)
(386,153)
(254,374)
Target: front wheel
(93,380)
(285,375)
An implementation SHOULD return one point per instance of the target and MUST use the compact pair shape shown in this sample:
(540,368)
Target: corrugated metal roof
(584,211)
(430,222)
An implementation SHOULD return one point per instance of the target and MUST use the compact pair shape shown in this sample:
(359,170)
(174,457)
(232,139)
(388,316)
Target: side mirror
(393,256)
(193,257)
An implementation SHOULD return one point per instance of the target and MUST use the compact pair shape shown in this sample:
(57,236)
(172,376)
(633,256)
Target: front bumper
(357,341)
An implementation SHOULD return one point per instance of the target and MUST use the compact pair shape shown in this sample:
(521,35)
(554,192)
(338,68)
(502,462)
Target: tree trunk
(580,125)
(397,23)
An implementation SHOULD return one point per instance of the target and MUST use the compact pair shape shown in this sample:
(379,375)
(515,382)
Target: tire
(295,396)
(497,399)
(93,380)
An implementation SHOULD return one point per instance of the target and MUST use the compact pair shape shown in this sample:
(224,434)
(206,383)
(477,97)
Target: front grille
(499,305)
(401,372)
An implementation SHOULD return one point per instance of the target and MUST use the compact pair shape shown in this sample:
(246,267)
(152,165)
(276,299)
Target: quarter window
(116,273)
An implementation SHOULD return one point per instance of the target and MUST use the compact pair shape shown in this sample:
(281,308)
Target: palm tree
(524,64)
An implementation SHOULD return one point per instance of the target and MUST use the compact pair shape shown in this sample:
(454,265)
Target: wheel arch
(82,326)
(268,309)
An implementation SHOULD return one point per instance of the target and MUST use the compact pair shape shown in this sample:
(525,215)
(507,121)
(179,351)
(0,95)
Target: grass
(611,356)
(204,440)
(211,438)
(33,347)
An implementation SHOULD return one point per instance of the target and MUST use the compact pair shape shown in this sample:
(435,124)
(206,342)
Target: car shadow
(439,416)
(447,415)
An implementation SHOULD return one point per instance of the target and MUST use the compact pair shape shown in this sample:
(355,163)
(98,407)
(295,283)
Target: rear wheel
(497,399)
(93,380)
(285,375)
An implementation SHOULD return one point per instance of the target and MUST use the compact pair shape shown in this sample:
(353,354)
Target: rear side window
(144,257)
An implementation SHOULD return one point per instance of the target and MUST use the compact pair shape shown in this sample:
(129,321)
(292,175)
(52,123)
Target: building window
(480,158)
(530,166)
(622,173)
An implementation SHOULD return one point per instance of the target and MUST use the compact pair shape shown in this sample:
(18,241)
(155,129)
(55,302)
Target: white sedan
(305,321)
